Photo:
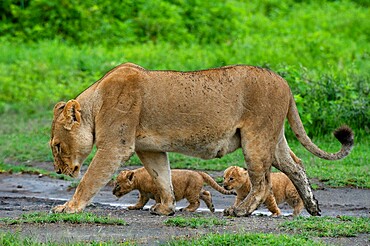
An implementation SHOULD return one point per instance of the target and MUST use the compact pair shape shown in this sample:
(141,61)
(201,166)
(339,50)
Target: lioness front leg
(157,165)
(229,211)
(97,175)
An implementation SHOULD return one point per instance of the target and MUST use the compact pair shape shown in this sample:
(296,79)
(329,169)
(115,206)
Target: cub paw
(160,209)
(229,211)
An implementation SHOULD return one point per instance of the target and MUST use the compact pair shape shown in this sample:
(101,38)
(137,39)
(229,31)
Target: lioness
(186,184)
(205,114)
(237,178)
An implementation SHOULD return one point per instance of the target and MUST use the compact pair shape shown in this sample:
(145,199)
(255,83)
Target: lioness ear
(58,108)
(72,114)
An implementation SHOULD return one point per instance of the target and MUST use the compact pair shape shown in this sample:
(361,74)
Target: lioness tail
(344,134)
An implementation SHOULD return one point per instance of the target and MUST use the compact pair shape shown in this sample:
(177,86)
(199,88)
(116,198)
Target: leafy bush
(52,50)
(179,21)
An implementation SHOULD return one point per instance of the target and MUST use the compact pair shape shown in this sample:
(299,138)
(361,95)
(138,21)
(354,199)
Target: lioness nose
(115,190)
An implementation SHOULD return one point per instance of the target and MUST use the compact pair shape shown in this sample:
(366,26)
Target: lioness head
(235,177)
(70,141)
(124,183)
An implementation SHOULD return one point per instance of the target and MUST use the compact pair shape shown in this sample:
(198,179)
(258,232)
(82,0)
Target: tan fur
(205,114)
(237,178)
(186,185)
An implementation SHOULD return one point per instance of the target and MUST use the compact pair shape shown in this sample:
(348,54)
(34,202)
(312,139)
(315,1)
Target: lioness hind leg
(296,173)
(257,153)
(207,198)
(157,165)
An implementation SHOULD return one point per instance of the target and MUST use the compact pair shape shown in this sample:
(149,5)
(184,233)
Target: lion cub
(237,178)
(186,184)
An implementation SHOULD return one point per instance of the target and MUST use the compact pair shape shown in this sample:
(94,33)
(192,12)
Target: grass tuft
(180,221)
(77,218)
(246,239)
(341,226)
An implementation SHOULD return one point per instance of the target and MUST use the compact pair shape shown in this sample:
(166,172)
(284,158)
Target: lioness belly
(194,144)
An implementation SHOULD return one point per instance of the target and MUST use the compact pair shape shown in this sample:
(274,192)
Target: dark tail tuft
(345,135)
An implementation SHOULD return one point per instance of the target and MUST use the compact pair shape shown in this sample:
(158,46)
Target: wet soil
(25,193)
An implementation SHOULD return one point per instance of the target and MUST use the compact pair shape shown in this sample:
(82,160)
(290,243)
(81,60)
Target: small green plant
(341,226)
(77,218)
(246,239)
(194,222)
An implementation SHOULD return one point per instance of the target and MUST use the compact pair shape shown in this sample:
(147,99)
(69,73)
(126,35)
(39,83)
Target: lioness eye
(231,178)
(57,147)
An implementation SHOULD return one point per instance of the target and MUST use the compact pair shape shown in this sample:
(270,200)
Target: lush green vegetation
(195,222)
(59,52)
(341,226)
(77,218)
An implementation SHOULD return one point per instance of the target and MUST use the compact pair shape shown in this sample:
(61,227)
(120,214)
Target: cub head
(235,177)
(71,141)
(124,183)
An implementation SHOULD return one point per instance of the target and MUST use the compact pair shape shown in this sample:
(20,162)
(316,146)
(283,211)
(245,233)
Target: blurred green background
(52,50)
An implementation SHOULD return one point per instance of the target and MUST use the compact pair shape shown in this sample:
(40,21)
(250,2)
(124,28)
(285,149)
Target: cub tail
(211,182)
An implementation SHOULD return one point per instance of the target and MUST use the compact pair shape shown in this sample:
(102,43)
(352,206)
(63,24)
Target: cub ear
(72,114)
(130,176)
(245,171)
(58,108)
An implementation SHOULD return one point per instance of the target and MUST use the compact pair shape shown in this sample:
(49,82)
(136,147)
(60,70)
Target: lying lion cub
(237,178)
(186,184)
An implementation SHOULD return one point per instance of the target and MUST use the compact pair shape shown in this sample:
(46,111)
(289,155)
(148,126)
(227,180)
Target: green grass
(77,218)
(8,168)
(14,239)
(342,226)
(257,239)
(196,222)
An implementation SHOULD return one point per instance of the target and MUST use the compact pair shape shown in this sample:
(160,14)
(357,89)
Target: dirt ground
(24,193)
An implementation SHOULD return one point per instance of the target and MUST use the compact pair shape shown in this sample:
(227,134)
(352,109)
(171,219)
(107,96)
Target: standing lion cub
(186,184)
(237,178)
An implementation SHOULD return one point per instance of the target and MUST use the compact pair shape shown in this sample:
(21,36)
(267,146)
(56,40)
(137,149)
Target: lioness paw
(229,211)
(237,212)
(160,209)
(65,208)
(240,212)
